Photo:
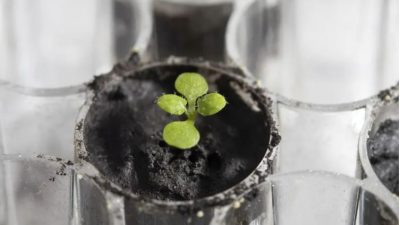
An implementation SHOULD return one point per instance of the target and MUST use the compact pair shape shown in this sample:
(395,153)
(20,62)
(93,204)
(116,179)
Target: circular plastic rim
(227,196)
(232,54)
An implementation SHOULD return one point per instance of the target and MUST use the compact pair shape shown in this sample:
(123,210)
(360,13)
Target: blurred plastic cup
(60,43)
(313,51)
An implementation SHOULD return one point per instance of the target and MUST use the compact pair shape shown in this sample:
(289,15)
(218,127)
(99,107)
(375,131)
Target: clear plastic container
(304,198)
(60,43)
(321,138)
(50,48)
(39,121)
(45,191)
(325,60)
(313,51)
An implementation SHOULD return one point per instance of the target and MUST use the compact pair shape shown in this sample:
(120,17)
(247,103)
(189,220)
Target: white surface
(314,140)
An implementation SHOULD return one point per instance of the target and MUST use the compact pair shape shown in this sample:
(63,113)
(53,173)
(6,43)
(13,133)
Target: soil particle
(63,165)
(61,171)
(390,94)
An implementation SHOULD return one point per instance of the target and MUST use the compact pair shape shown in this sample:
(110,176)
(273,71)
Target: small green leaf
(173,104)
(210,104)
(191,85)
(181,134)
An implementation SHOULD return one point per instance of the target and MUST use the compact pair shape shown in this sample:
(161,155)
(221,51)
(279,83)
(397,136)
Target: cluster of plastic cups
(323,63)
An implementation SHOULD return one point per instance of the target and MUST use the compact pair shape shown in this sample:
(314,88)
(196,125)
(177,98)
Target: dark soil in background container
(182,30)
(383,151)
(122,134)
(124,28)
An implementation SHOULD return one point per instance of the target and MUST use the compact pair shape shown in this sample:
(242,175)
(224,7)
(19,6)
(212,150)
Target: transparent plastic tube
(323,138)
(283,199)
(61,43)
(43,191)
(140,211)
(51,49)
(62,193)
(38,121)
(325,60)
(320,52)
(325,198)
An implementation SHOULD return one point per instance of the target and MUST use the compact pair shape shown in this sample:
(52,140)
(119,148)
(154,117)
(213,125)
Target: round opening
(123,135)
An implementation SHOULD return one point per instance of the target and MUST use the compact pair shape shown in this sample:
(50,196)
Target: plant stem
(191,113)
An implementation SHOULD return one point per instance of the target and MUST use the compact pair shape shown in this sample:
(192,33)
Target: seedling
(193,87)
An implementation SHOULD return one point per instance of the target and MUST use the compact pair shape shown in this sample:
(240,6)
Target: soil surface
(383,151)
(123,128)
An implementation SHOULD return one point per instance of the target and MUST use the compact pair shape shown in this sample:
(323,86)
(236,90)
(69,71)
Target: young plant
(193,87)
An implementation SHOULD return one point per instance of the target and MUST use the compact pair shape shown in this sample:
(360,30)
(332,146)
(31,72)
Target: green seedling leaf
(181,134)
(211,104)
(191,85)
(172,104)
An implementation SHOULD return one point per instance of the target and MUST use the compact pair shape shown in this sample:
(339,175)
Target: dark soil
(383,151)
(123,127)
(124,27)
(182,31)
